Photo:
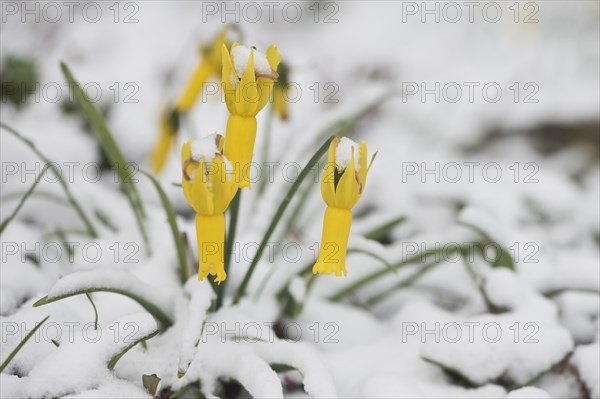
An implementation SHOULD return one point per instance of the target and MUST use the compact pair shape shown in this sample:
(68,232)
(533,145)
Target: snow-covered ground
(490,135)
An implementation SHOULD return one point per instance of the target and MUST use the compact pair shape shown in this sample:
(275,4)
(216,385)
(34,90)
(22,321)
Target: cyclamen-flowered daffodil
(169,123)
(209,66)
(247,80)
(342,185)
(209,188)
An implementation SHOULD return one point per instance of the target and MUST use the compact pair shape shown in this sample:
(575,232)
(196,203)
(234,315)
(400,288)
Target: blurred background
(485,116)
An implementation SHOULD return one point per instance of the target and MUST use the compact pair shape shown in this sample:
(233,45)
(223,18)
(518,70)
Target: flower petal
(247,91)
(200,194)
(347,190)
(328,180)
(362,163)
(229,80)
(222,189)
(273,56)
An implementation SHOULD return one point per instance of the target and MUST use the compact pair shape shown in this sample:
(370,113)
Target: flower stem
(277,217)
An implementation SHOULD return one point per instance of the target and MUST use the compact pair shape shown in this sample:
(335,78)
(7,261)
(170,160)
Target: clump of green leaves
(18,80)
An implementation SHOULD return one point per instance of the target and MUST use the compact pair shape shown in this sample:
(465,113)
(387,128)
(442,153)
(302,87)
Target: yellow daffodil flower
(169,121)
(342,185)
(280,104)
(209,66)
(247,80)
(209,189)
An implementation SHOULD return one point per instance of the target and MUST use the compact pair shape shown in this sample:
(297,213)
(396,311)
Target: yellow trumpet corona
(247,80)
(341,187)
(209,189)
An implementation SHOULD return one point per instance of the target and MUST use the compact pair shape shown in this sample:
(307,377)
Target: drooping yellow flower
(342,185)
(247,80)
(209,189)
(169,120)
(280,104)
(210,65)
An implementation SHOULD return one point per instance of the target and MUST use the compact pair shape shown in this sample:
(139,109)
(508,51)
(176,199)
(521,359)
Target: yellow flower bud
(247,80)
(341,187)
(209,189)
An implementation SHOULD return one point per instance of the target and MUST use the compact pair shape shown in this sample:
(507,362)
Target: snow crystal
(343,154)
(241,54)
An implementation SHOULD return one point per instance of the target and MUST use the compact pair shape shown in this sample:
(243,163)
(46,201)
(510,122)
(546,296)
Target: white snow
(297,289)
(112,279)
(343,154)
(79,365)
(356,349)
(528,393)
(241,55)
(205,148)
(587,361)
(517,345)
(305,358)
(201,295)
(232,360)
(504,289)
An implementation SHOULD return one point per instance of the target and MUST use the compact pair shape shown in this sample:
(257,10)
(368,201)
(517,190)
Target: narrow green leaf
(504,259)
(172,219)
(114,360)
(374,256)
(95,310)
(380,231)
(153,309)
(453,372)
(21,344)
(480,284)
(379,273)
(281,368)
(57,199)
(103,218)
(23,199)
(91,231)
(111,149)
(277,217)
(407,282)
